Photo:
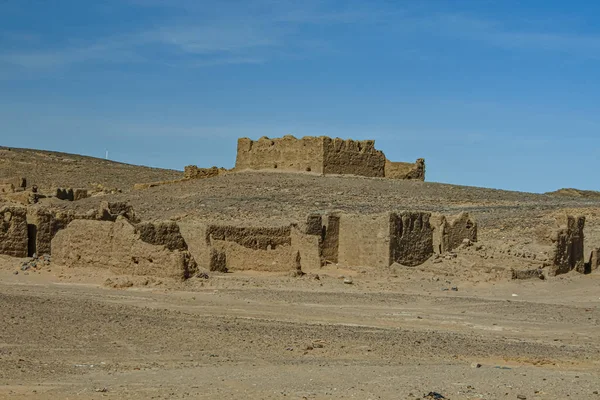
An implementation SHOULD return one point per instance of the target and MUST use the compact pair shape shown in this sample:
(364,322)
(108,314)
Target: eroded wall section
(568,241)
(353,157)
(364,240)
(282,154)
(403,170)
(411,238)
(13,231)
(119,247)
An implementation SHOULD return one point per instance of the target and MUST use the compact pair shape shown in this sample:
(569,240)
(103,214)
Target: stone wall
(193,172)
(364,240)
(70,194)
(402,170)
(13,231)
(568,242)
(253,247)
(330,239)
(118,247)
(198,241)
(352,157)
(166,233)
(408,238)
(282,154)
(241,258)
(228,247)
(594,263)
(450,232)
(308,245)
(109,211)
(322,155)
(44,223)
(411,238)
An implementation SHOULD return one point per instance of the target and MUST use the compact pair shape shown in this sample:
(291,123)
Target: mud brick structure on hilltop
(323,155)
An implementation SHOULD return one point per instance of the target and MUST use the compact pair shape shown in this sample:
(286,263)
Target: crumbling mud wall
(240,258)
(252,237)
(403,170)
(17,182)
(323,155)
(64,194)
(193,172)
(70,194)
(197,239)
(13,231)
(165,233)
(308,245)
(330,239)
(450,232)
(364,240)
(44,223)
(411,238)
(222,247)
(118,247)
(568,246)
(354,157)
(110,210)
(594,262)
(408,238)
(253,247)
(282,154)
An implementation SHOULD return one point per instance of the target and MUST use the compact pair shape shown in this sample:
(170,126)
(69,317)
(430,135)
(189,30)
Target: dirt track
(268,336)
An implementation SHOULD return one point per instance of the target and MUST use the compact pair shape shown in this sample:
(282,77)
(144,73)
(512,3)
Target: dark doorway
(32,240)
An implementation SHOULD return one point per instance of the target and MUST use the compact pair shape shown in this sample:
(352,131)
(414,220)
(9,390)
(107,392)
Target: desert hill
(571,192)
(48,169)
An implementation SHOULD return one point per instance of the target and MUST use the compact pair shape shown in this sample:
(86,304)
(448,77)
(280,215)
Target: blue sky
(502,94)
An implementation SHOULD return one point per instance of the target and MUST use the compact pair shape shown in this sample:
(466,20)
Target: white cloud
(199,34)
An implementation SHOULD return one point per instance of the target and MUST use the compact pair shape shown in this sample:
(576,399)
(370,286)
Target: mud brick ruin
(323,155)
(568,249)
(155,249)
(112,237)
(372,241)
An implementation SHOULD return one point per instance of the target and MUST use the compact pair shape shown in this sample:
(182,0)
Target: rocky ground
(457,325)
(49,169)
(68,333)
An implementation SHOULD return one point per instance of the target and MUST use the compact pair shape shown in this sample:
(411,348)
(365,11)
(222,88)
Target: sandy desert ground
(71,334)
(456,326)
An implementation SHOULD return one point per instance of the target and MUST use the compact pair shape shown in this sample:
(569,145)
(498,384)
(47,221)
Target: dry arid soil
(48,169)
(458,326)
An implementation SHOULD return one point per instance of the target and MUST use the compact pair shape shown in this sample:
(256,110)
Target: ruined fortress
(112,237)
(324,156)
